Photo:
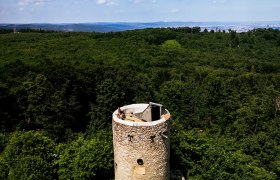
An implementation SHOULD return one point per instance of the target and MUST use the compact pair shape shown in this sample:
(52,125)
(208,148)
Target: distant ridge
(122,26)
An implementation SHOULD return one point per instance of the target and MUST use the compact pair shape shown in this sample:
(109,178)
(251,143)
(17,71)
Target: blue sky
(79,11)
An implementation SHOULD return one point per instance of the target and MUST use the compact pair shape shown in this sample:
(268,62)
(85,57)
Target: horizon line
(117,22)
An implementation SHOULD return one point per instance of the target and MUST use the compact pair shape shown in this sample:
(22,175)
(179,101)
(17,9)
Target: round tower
(141,142)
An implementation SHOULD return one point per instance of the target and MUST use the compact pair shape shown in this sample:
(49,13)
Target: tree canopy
(58,91)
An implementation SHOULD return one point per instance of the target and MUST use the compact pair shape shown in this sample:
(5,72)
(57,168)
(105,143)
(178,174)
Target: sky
(84,11)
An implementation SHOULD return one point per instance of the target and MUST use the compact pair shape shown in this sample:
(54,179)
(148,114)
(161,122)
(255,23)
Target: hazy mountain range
(122,26)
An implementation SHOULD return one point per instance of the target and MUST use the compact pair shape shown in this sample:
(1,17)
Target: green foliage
(68,84)
(204,157)
(28,155)
(30,167)
(86,158)
(4,139)
(4,171)
(171,44)
(231,165)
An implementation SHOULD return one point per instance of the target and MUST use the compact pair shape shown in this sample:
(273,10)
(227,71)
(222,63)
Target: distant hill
(115,27)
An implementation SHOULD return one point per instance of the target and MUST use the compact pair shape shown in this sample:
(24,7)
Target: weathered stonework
(141,149)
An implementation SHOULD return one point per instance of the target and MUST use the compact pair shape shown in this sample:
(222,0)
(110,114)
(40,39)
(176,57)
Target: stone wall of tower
(141,151)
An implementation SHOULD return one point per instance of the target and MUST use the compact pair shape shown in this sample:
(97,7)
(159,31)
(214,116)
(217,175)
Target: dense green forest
(58,91)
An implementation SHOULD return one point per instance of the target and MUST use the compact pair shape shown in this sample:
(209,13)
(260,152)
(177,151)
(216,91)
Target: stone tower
(141,142)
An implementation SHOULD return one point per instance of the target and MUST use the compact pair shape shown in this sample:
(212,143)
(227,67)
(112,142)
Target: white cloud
(23,3)
(144,1)
(107,2)
(219,1)
(32,2)
(101,1)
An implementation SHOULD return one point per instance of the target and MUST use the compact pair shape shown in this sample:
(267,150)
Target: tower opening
(156,112)
(140,161)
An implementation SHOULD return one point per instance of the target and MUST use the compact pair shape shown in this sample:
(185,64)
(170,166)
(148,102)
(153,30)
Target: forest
(58,91)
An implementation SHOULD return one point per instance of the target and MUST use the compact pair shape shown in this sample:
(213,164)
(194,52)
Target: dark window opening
(130,137)
(155,112)
(152,138)
(140,161)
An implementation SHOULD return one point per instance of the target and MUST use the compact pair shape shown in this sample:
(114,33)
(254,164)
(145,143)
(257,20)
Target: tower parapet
(141,142)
